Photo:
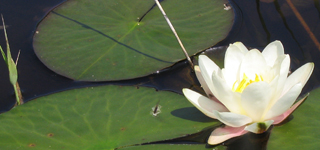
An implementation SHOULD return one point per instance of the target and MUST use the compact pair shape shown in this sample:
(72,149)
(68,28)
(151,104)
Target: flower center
(244,83)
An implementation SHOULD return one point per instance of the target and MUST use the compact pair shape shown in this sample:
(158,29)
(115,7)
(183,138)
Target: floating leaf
(120,39)
(99,118)
(303,131)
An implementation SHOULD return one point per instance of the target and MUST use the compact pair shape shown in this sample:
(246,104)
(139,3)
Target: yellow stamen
(245,82)
(257,79)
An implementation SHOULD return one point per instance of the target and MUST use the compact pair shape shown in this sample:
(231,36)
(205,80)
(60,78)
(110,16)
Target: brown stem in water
(304,24)
(175,33)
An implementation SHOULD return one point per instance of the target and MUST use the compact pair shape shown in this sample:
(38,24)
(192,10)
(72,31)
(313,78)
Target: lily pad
(99,118)
(303,131)
(119,39)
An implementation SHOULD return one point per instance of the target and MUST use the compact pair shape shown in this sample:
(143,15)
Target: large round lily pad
(119,39)
(99,118)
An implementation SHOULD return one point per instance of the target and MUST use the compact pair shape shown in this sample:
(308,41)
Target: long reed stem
(174,32)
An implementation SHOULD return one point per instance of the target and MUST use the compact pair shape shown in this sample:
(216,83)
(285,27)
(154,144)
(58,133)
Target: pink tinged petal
(233,58)
(301,75)
(225,94)
(253,63)
(283,116)
(207,67)
(259,127)
(204,104)
(285,102)
(222,134)
(272,52)
(255,99)
(232,119)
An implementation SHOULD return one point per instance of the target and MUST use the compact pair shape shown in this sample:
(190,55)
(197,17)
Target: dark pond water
(257,24)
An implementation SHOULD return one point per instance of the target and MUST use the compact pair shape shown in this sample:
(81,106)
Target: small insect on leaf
(156,109)
(226,7)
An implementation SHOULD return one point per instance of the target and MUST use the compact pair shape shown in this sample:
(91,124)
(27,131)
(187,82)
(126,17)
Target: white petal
(204,104)
(253,63)
(232,119)
(233,58)
(285,102)
(301,75)
(255,99)
(204,85)
(259,127)
(202,81)
(274,97)
(225,95)
(272,52)
(281,66)
(241,47)
(283,74)
(207,67)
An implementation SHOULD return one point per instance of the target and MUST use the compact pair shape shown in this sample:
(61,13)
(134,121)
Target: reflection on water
(249,141)
(296,23)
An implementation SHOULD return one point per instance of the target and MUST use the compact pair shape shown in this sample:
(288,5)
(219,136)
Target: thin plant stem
(17,58)
(12,67)
(175,33)
(18,94)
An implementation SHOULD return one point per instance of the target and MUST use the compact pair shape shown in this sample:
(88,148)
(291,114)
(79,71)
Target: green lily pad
(99,118)
(119,39)
(303,131)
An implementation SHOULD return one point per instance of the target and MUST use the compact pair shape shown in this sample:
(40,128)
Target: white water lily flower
(252,91)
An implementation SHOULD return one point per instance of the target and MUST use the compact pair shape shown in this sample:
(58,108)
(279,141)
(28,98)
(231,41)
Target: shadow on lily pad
(193,114)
